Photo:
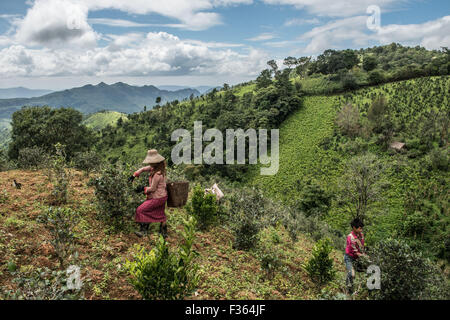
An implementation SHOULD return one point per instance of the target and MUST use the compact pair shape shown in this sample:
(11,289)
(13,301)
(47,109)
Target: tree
(302,65)
(273,65)
(158,100)
(376,77)
(348,120)
(361,185)
(377,113)
(264,79)
(369,63)
(290,62)
(45,127)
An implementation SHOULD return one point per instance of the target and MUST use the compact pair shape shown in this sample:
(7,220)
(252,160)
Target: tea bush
(115,197)
(59,175)
(33,158)
(161,274)
(87,161)
(61,222)
(203,207)
(247,211)
(269,260)
(406,274)
(320,266)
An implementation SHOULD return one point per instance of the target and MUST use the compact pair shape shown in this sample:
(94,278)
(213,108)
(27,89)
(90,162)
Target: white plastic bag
(215,190)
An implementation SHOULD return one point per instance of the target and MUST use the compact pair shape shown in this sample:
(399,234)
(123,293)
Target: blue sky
(57,44)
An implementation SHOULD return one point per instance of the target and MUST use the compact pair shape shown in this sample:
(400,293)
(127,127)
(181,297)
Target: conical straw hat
(153,157)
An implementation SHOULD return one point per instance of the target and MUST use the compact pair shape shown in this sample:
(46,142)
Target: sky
(60,44)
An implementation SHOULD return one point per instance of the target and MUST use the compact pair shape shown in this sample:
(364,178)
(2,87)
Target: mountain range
(88,99)
(21,92)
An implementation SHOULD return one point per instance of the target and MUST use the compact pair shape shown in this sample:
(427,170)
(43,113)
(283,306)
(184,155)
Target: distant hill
(100,120)
(21,92)
(88,99)
(201,89)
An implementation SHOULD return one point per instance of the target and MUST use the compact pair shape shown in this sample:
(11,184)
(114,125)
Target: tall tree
(44,127)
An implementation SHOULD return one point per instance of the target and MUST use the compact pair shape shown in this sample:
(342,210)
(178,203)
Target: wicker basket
(177,192)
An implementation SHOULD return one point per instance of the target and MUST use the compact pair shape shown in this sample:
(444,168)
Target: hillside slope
(311,148)
(225,273)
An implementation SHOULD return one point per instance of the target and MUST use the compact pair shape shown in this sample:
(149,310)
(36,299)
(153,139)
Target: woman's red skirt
(152,211)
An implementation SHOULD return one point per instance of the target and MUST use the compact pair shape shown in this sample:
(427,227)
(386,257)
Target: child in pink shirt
(353,250)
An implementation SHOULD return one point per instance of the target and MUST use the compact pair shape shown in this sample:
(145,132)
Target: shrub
(269,261)
(60,176)
(406,274)
(439,159)
(42,284)
(320,266)
(115,196)
(376,77)
(314,200)
(349,82)
(203,207)
(247,211)
(61,222)
(348,120)
(161,274)
(33,158)
(87,161)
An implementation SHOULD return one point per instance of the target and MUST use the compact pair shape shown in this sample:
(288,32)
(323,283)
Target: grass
(100,120)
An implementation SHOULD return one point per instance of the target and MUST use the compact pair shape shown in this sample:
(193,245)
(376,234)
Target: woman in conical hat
(152,209)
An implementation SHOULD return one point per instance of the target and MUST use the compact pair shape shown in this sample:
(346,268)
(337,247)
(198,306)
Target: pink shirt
(157,184)
(355,244)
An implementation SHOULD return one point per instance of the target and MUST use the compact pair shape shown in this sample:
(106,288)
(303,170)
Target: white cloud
(118,23)
(135,54)
(336,8)
(190,13)
(431,35)
(299,22)
(353,32)
(56,23)
(263,37)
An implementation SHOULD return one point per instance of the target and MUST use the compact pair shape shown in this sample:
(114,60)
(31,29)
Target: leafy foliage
(247,212)
(60,176)
(45,127)
(320,266)
(115,197)
(33,158)
(361,184)
(61,223)
(161,274)
(87,161)
(406,274)
(203,207)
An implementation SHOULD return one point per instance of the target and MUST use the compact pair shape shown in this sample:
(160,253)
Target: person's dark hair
(160,166)
(356,223)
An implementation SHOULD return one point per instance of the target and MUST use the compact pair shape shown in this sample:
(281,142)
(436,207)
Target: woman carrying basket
(152,209)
